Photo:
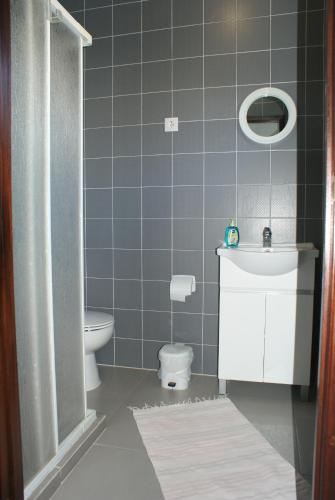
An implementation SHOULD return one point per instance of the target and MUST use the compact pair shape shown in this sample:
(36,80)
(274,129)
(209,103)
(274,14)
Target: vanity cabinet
(288,338)
(265,322)
(241,336)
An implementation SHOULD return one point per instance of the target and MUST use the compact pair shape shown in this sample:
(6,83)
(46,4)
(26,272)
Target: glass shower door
(47,225)
(67,224)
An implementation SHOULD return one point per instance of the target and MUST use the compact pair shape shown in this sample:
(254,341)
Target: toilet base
(92,379)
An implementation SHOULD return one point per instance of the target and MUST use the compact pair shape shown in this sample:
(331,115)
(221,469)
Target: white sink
(278,259)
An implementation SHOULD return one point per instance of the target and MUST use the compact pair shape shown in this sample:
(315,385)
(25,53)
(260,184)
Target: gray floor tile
(287,423)
(122,431)
(263,404)
(117,385)
(282,438)
(303,409)
(305,436)
(111,472)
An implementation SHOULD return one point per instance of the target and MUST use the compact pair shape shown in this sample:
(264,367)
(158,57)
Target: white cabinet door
(241,338)
(288,339)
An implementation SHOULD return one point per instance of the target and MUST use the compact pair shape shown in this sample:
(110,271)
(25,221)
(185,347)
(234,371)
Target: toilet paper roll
(181,286)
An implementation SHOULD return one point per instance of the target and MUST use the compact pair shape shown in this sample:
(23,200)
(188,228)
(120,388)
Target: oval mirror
(267,115)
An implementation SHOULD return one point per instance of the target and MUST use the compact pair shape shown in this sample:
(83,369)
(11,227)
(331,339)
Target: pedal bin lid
(175,351)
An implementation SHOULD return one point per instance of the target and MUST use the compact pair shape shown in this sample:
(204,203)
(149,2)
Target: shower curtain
(47,223)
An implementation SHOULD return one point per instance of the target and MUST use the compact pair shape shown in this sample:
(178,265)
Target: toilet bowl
(99,329)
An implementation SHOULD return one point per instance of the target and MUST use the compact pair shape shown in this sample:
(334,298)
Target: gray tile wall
(158,203)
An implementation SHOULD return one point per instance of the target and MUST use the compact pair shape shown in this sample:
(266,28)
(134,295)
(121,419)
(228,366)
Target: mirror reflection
(267,116)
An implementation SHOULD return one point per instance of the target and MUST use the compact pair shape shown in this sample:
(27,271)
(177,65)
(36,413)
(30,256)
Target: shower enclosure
(46,53)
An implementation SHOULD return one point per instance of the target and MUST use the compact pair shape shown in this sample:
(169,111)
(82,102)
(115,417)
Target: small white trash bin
(175,369)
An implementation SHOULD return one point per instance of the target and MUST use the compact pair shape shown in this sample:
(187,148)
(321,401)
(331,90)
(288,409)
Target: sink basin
(278,259)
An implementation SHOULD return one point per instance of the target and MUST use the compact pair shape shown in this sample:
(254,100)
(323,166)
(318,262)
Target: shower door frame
(11,475)
(324,464)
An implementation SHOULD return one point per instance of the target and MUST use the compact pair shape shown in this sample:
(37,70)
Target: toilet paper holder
(181,286)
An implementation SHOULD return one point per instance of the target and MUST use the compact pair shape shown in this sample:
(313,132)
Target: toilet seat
(96,320)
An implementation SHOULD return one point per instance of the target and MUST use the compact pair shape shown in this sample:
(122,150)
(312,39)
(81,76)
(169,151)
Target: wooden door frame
(324,463)
(11,480)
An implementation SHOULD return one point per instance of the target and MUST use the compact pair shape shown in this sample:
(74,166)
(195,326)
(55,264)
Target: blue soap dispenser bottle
(232,235)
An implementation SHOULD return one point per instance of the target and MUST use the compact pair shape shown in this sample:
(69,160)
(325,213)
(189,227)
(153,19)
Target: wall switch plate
(171,124)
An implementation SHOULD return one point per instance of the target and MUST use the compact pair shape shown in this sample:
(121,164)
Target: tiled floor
(117,466)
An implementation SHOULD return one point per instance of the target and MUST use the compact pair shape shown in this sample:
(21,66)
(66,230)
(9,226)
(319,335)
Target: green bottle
(232,235)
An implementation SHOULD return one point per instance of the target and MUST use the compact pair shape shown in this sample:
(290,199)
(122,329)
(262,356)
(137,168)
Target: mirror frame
(268,92)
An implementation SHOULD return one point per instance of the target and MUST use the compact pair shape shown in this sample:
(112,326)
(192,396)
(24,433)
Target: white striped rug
(209,450)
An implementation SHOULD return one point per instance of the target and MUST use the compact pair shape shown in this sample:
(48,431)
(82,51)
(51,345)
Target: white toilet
(99,329)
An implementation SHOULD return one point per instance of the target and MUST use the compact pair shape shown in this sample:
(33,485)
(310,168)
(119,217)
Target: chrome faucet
(267,237)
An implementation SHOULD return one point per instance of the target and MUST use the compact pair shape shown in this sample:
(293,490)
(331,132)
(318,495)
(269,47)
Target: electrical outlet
(171,124)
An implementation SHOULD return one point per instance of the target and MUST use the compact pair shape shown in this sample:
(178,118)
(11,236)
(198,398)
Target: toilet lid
(95,320)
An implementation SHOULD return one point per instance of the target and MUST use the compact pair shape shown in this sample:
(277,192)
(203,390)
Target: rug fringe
(179,403)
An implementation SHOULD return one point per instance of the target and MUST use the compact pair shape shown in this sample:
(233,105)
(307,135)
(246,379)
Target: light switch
(171,124)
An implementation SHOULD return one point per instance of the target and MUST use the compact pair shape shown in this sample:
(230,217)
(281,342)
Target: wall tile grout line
(208,87)
(84,174)
(172,165)
(153,310)
(141,229)
(207,22)
(161,124)
(203,184)
(199,153)
(200,282)
(270,162)
(305,123)
(190,219)
(181,186)
(200,57)
(113,232)
(162,341)
(236,125)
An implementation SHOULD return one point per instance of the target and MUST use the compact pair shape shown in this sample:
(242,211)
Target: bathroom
(132,203)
